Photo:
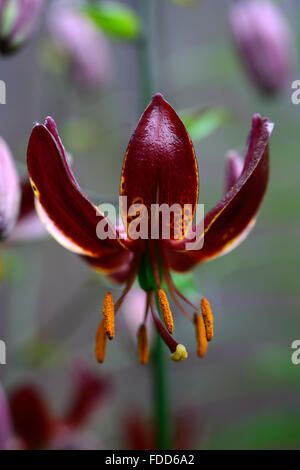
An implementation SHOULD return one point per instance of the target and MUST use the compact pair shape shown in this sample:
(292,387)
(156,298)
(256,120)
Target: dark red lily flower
(159,168)
(35,424)
(141,434)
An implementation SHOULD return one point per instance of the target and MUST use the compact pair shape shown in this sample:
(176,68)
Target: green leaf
(114,19)
(12,268)
(203,123)
(42,354)
(276,430)
(186,284)
(184,3)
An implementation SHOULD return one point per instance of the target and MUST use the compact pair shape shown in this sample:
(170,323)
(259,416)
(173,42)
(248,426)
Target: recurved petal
(88,393)
(9,191)
(69,216)
(160,164)
(232,218)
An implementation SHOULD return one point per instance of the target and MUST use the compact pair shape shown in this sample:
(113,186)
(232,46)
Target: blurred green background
(245,393)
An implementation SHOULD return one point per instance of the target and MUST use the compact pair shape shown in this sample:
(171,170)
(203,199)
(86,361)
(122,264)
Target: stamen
(174,291)
(143,344)
(166,337)
(200,335)
(165,308)
(101,339)
(208,319)
(109,315)
(180,354)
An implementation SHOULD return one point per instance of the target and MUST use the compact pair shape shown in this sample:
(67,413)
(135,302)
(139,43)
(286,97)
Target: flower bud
(80,44)
(263,38)
(17,20)
(9,191)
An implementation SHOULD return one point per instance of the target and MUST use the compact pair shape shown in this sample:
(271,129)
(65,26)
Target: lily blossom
(159,168)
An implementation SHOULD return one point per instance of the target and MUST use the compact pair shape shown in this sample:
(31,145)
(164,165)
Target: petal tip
(158,98)
(270,127)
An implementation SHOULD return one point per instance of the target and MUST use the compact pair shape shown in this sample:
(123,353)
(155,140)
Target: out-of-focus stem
(162,393)
(147,52)
(148,86)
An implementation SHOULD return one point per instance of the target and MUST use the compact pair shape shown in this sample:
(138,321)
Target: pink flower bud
(86,48)
(17,21)
(263,38)
(9,191)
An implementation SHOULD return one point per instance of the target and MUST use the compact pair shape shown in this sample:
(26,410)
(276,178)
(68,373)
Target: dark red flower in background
(35,424)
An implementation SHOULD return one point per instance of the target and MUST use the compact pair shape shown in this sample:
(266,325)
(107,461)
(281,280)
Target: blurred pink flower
(133,311)
(263,38)
(17,21)
(87,49)
(18,219)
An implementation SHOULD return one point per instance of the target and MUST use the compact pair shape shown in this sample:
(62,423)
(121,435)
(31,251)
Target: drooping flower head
(159,172)
(264,40)
(17,21)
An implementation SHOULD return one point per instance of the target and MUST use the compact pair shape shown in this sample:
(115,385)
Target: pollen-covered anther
(208,319)
(109,315)
(180,354)
(101,339)
(166,312)
(200,335)
(143,344)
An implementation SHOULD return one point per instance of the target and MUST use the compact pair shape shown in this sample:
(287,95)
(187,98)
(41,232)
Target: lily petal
(227,223)
(160,164)
(66,209)
(9,191)
(89,391)
(33,421)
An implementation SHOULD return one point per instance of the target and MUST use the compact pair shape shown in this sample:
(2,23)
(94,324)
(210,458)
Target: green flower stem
(148,86)
(162,393)
(146,52)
